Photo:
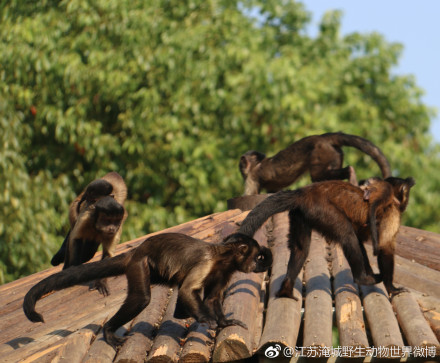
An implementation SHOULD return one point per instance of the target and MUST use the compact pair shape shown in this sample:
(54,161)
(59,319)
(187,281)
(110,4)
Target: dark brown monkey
(171,259)
(96,217)
(321,155)
(338,211)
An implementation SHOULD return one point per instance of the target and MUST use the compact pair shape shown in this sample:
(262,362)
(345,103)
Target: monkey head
(249,255)
(249,161)
(96,189)
(108,215)
(372,186)
(401,188)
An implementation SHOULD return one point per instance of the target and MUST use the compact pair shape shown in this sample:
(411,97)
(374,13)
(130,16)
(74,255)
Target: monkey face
(264,260)
(249,255)
(250,160)
(109,215)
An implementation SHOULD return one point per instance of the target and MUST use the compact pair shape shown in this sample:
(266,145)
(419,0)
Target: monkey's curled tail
(69,277)
(277,203)
(367,147)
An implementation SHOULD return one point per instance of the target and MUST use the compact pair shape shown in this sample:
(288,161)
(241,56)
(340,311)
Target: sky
(414,24)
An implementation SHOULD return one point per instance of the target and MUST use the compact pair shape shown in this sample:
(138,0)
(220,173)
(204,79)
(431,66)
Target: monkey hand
(228,322)
(212,324)
(101,286)
(111,338)
(394,291)
(286,290)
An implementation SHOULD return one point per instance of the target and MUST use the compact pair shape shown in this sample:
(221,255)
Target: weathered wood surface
(416,329)
(348,306)
(318,315)
(246,202)
(283,316)
(75,316)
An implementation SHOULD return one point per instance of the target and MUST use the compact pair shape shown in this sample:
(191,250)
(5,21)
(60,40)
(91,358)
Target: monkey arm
(189,295)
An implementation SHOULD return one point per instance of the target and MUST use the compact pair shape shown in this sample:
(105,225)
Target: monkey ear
(410,182)
(243,248)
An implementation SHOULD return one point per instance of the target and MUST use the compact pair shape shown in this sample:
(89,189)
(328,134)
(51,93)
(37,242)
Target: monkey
(201,271)
(389,224)
(378,193)
(96,217)
(338,211)
(321,155)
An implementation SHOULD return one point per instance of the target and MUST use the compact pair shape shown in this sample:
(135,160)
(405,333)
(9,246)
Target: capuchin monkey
(388,223)
(380,196)
(171,259)
(338,210)
(321,155)
(96,217)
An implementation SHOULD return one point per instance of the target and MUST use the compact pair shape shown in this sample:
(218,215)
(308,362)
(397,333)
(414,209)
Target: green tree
(170,94)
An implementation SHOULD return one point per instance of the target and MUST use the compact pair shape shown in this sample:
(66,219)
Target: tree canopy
(170,94)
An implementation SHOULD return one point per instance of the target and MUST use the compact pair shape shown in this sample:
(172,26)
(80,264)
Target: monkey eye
(260,257)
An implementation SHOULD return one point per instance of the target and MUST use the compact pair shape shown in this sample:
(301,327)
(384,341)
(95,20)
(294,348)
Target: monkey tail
(277,203)
(367,147)
(69,277)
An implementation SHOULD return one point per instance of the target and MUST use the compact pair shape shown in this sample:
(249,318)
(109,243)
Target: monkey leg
(299,245)
(213,303)
(100,284)
(385,260)
(367,265)
(189,300)
(138,297)
(357,258)
(61,254)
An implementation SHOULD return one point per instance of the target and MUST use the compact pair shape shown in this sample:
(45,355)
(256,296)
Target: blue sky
(415,24)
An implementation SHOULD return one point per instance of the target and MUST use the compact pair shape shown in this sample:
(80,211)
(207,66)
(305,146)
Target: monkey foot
(369,279)
(394,291)
(286,290)
(228,322)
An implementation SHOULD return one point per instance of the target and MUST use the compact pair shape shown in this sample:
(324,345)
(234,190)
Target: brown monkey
(96,217)
(380,196)
(388,226)
(321,155)
(172,259)
(338,211)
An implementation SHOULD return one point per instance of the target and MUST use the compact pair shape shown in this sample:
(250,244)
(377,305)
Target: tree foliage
(170,94)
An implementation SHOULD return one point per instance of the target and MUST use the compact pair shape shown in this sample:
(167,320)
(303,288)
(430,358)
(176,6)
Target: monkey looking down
(338,210)
(201,271)
(96,217)
(321,155)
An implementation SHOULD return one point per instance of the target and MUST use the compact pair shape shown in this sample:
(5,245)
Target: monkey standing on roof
(96,217)
(321,155)
(339,211)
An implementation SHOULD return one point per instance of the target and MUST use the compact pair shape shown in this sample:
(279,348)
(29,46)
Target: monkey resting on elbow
(171,259)
(338,210)
(96,217)
(321,155)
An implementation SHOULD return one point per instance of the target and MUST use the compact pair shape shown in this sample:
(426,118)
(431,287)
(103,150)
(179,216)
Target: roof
(364,318)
